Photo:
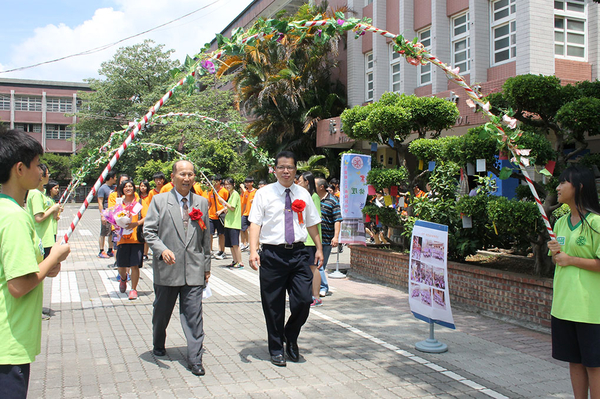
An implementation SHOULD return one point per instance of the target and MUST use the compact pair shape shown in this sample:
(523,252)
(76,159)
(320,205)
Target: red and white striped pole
(117,155)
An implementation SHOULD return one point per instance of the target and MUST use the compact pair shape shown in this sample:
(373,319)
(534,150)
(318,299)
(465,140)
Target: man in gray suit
(175,229)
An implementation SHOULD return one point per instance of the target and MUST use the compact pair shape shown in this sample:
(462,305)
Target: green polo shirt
(20,252)
(577,291)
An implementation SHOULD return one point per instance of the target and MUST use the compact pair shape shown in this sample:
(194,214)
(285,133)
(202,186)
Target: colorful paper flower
(209,66)
(298,206)
(196,214)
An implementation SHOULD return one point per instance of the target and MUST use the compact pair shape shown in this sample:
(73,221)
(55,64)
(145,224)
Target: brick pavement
(360,344)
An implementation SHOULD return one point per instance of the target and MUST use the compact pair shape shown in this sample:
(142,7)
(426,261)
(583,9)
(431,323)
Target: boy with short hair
(22,267)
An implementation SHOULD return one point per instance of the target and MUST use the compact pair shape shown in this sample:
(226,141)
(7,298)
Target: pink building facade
(43,109)
(489,40)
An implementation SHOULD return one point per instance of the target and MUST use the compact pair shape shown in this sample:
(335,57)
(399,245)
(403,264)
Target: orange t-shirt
(198,190)
(166,188)
(112,198)
(247,199)
(132,238)
(214,205)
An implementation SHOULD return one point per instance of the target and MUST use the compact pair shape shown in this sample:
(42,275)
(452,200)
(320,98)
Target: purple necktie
(289,218)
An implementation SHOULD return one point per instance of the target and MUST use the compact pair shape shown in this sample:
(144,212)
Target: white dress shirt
(268,210)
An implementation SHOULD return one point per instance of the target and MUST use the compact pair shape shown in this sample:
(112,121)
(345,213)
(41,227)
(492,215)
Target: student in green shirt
(576,297)
(44,211)
(307,180)
(22,267)
(233,223)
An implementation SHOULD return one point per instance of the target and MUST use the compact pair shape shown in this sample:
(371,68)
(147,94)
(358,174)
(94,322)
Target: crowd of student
(29,253)
(228,214)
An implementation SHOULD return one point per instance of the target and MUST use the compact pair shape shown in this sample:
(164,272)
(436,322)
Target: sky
(35,31)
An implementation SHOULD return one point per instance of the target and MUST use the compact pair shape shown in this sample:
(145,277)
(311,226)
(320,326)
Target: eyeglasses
(281,167)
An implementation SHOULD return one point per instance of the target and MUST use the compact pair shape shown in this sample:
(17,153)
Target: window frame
(369,76)
(569,15)
(4,102)
(58,132)
(29,127)
(424,70)
(395,60)
(457,38)
(509,21)
(34,104)
(59,105)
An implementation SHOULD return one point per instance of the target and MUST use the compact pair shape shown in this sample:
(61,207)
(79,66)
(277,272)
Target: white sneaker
(244,247)
(322,293)
(219,255)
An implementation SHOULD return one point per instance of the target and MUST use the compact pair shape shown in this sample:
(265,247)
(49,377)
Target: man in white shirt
(282,216)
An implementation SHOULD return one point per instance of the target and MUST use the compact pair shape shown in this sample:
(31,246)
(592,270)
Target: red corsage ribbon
(298,206)
(196,215)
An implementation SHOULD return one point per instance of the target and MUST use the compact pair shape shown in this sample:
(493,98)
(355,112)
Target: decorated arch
(321,29)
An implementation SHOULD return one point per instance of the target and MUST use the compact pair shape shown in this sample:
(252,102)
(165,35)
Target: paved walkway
(359,344)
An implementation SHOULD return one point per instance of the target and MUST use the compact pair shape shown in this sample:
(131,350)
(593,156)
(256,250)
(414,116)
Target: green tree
(59,166)
(392,119)
(135,79)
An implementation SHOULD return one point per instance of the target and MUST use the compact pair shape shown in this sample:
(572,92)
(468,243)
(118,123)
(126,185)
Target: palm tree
(283,84)
(311,166)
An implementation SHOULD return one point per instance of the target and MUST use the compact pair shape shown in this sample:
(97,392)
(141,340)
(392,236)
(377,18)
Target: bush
(386,178)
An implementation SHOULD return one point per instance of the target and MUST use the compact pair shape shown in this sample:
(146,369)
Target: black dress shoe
(278,360)
(197,369)
(159,352)
(291,348)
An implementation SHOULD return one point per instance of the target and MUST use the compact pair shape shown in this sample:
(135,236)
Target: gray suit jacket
(163,229)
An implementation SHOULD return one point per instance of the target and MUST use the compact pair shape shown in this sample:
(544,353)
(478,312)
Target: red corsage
(298,206)
(196,215)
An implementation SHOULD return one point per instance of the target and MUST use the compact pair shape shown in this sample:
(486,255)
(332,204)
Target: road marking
(413,357)
(84,232)
(148,273)
(64,288)
(222,288)
(109,279)
(247,275)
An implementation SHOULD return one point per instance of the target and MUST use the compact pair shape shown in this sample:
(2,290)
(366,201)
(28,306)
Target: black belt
(295,245)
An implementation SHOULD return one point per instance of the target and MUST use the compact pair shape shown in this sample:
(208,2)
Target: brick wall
(572,71)
(511,295)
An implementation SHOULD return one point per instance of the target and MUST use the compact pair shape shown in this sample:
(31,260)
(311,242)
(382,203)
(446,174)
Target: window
(461,43)
(504,31)
(4,102)
(569,29)
(424,71)
(58,132)
(369,63)
(28,127)
(28,103)
(62,105)
(395,59)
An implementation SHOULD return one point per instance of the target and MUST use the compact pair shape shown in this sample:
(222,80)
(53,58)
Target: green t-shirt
(233,219)
(577,291)
(38,202)
(309,241)
(20,252)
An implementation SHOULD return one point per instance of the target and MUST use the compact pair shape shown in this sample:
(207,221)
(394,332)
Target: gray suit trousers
(190,312)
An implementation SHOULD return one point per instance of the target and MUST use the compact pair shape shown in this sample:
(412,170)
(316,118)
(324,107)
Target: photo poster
(428,293)
(353,197)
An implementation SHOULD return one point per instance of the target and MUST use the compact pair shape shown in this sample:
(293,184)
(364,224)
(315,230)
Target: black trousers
(190,313)
(284,270)
(14,381)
